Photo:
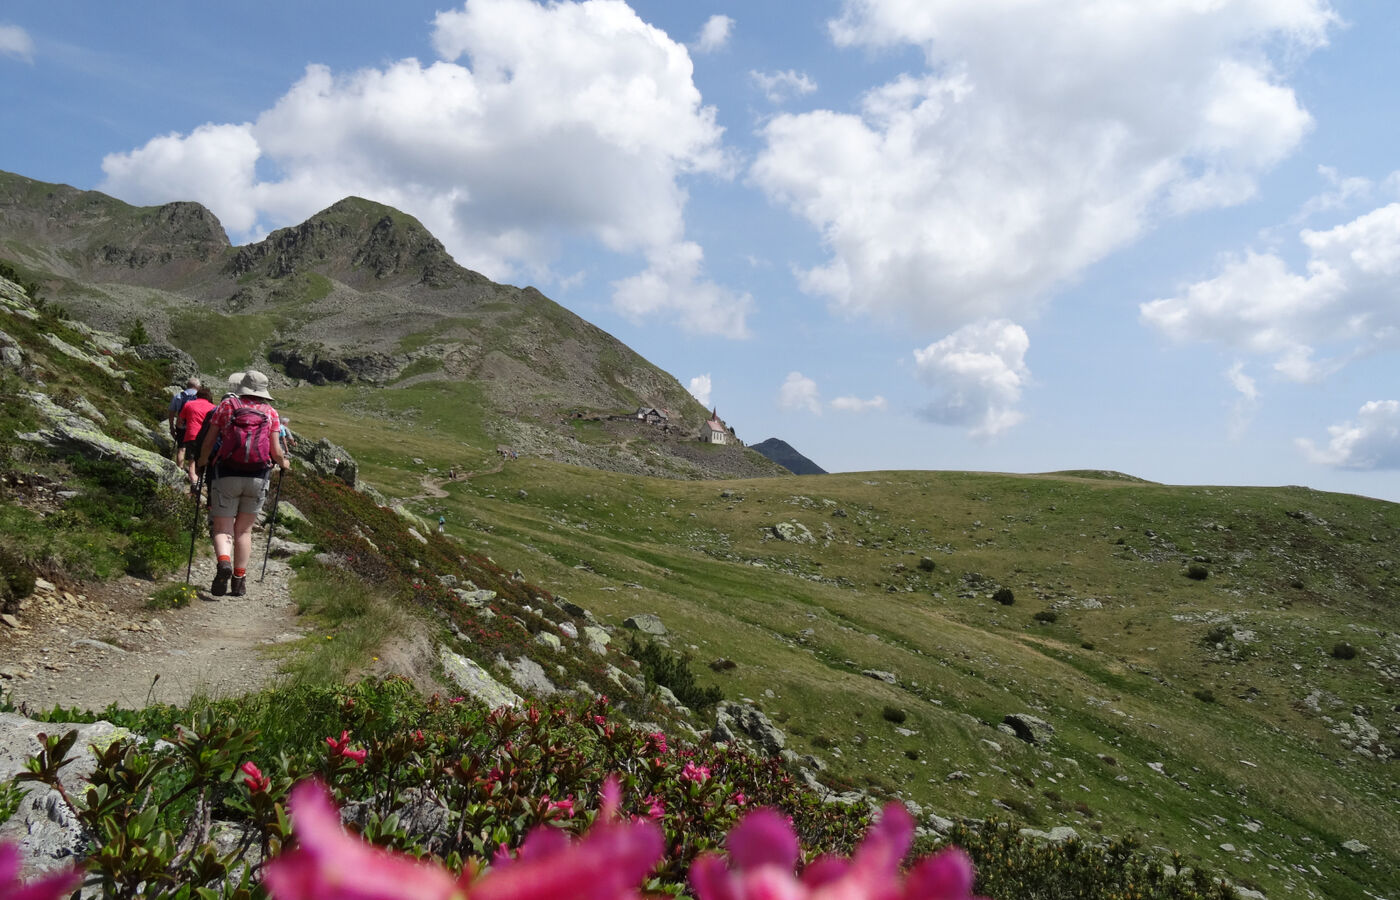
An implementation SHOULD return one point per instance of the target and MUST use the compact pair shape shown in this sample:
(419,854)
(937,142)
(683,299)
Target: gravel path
(92,645)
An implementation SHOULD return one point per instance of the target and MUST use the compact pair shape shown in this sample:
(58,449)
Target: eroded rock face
(328,459)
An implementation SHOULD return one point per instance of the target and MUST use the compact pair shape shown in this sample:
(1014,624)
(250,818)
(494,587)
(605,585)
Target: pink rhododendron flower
(695,773)
(328,863)
(254,778)
(53,886)
(655,808)
(656,743)
(739,799)
(564,808)
(763,851)
(341,748)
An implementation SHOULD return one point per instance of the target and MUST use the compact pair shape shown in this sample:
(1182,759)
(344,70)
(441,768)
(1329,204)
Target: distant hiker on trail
(245,428)
(442,524)
(451,473)
(177,432)
(191,417)
(285,434)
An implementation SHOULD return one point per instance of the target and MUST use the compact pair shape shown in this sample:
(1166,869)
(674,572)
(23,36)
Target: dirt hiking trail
(92,645)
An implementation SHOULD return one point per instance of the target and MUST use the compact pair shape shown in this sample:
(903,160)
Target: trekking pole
(194,525)
(272,523)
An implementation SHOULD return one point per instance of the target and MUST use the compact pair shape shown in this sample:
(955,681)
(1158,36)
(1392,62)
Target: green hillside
(1192,712)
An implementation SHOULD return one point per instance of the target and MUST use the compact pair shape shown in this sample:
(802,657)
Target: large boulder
(646,623)
(793,532)
(327,459)
(735,719)
(476,681)
(66,431)
(47,833)
(1029,728)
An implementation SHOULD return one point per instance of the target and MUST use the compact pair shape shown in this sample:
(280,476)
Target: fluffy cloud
(1345,302)
(1245,404)
(700,388)
(539,124)
(800,392)
(714,34)
(672,282)
(780,87)
(977,374)
(1371,442)
(857,405)
(16,42)
(1041,138)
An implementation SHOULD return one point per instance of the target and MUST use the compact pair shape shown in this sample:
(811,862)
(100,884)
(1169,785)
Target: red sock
(223,557)
(239,573)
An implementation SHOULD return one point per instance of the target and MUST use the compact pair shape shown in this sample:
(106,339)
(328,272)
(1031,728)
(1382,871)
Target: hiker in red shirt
(191,417)
(245,428)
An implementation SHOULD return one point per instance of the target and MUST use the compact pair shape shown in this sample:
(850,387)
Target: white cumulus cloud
(673,282)
(1041,138)
(780,87)
(1371,442)
(858,405)
(800,392)
(1343,303)
(714,34)
(977,374)
(700,388)
(16,42)
(539,124)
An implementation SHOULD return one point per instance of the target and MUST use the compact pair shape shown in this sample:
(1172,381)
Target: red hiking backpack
(245,441)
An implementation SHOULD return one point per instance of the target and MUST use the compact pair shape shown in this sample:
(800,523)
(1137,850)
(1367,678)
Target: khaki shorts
(233,494)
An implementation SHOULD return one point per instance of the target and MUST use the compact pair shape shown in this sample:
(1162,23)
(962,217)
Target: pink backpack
(245,441)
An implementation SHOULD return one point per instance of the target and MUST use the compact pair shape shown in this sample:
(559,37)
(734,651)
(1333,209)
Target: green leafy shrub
(1004,596)
(894,714)
(926,564)
(1197,572)
(1343,650)
(672,671)
(1046,616)
(1205,695)
(1218,635)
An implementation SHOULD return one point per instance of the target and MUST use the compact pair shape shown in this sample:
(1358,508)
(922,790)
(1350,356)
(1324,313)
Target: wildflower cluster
(450,801)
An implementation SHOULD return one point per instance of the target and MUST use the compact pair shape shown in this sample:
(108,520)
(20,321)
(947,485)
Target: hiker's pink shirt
(192,414)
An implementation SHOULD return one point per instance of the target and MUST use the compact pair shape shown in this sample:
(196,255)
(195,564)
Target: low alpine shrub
(1197,572)
(894,714)
(1004,596)
(1343,650)
(1046,616)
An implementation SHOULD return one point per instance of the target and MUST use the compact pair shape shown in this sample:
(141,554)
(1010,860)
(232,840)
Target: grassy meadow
(1186,643)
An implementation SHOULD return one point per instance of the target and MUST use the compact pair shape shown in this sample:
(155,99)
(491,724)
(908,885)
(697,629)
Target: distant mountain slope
(782,453)
(360,294)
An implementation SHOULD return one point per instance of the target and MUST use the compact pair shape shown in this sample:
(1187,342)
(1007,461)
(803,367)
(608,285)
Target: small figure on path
(191,419)
(442,524)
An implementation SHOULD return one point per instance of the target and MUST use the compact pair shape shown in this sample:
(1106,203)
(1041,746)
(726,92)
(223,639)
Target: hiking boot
(239,586)
(221,577)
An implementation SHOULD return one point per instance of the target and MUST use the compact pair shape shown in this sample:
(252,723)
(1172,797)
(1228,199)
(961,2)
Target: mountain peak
(355,240)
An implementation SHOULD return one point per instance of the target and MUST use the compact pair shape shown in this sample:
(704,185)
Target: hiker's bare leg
(223,535)
(243,539)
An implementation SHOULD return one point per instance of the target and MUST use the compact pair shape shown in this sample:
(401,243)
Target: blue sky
(1161,237)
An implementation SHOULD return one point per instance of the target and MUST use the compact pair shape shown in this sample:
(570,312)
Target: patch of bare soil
(92,645)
